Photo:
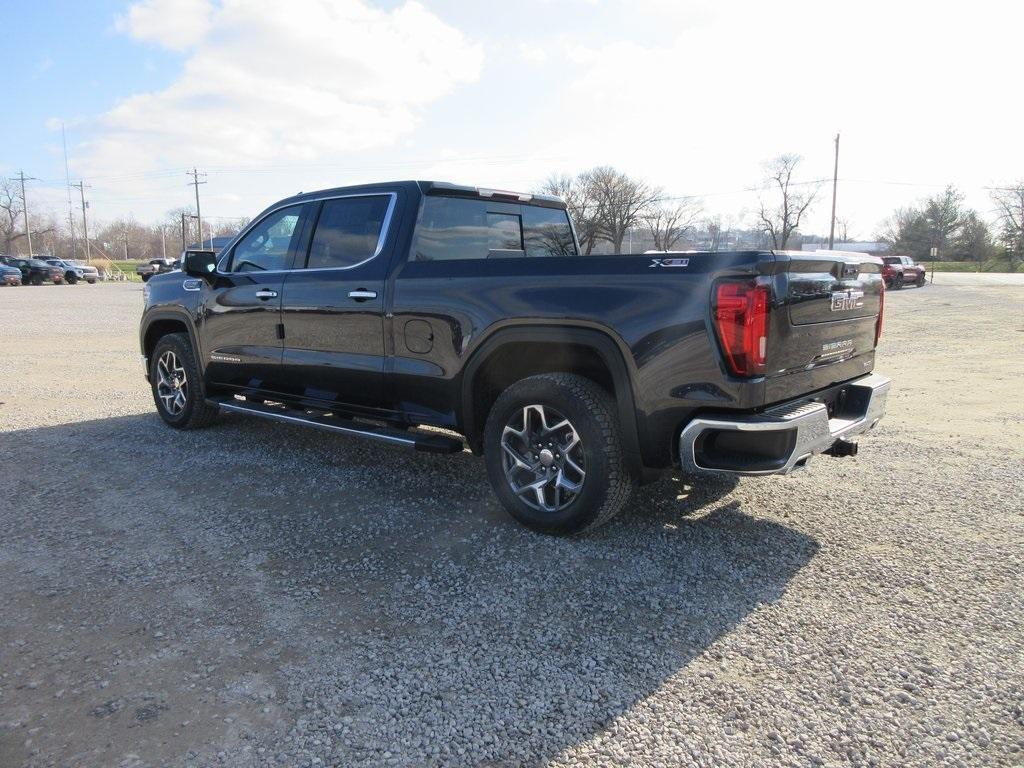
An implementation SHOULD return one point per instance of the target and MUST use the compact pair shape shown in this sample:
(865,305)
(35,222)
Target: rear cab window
(348,231)
(454,228)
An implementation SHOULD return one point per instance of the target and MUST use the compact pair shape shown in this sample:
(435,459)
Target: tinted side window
(269,244)
(347,231)
(547,232)
(454,228)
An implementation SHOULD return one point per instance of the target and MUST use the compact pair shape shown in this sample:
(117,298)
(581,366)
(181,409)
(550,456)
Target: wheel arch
(568,348)
(159,324)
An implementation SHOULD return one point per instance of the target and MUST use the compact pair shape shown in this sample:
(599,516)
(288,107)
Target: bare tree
(10,215)
(669,224)
(780,221)
(621,202)
(577,191)
(1010,210)
(843,231)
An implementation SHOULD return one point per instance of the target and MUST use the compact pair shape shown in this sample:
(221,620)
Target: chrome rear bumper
(784,437)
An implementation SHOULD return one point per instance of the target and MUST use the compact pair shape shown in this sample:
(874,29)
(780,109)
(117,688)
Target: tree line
(609,207)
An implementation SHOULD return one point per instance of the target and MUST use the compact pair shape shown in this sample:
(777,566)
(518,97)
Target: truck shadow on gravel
(330,598)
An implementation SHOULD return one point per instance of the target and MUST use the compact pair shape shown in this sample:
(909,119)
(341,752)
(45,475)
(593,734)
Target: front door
(333,308)
(241,313)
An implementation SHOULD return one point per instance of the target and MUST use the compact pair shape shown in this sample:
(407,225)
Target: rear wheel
(176,384)
(897,282)
(71,278)
(553,449)
(37,280)
(145,278)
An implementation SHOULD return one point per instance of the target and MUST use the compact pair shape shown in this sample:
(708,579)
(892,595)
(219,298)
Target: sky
(693,96)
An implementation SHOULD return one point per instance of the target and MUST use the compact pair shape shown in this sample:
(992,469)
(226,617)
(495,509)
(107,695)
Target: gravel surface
(264,595)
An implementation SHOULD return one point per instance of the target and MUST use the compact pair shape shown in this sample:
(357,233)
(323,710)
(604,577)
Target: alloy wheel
(543,458)
(172,383)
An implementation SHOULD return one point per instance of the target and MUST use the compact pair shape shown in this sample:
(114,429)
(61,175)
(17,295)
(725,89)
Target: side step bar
(416,440)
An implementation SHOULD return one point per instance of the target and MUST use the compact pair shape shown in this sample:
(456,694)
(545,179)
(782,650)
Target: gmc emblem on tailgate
(843,301)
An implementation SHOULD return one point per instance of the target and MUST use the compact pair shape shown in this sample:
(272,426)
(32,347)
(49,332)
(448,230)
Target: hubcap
(543,458)
(171,384)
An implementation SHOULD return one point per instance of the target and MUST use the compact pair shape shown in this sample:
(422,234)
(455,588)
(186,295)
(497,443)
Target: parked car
(35,271)
(154,267)
(899,271)
(9,275)
(74,272)
(379,309)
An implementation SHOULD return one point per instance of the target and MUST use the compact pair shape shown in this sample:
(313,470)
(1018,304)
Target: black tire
(920,281)
(607,485)
(897,282)
(71,278)
(196,413)
(145,278)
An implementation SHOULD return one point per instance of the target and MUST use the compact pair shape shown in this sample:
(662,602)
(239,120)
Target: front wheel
(71,278)
(897,282)
(553,449)
(920,281)
(177,387)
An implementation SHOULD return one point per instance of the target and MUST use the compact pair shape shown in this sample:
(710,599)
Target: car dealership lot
(252,595)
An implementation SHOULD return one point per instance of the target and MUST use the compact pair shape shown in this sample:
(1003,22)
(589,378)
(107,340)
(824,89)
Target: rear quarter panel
(659,317)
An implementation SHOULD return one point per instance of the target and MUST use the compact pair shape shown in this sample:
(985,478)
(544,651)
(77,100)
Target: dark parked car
(9,275)
(35,271)
(376,310)
(899,271)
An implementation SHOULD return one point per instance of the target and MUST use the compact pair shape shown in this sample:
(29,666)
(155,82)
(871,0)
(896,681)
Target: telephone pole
(124,234)
(163,241)
(67,179)
(85,223)
(835,185)
(184,245)
(24,208)
(196,182)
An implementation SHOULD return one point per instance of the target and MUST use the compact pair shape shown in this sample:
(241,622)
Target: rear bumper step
(784,437)
(416,440)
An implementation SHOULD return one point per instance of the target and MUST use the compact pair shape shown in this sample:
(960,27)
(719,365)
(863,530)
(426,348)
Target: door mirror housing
(199,263)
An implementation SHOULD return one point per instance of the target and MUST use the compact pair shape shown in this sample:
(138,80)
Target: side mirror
(199,263)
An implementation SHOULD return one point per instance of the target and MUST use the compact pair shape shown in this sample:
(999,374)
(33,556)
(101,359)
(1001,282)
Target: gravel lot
(263,595)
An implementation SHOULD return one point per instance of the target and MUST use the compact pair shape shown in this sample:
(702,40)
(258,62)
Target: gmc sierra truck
(435,316)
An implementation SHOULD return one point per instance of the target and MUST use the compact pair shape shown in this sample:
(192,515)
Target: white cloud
(173,24)
(283,83)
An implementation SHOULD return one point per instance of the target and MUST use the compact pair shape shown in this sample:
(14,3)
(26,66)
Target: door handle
(362,295)
(266,294)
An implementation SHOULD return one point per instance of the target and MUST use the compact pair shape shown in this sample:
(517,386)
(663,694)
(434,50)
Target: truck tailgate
(830,303)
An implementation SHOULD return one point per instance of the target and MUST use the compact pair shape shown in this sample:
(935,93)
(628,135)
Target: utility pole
(67,179)
(85,223)
(124,234)
(196,182)
(184,245)
(835,185)
(24,208)
(163,242)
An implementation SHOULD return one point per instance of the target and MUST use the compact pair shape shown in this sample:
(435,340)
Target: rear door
(333,306)
(242,306)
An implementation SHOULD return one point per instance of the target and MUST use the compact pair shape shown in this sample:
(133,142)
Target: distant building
(862,247)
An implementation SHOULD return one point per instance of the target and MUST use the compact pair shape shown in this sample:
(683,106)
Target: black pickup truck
(435,316)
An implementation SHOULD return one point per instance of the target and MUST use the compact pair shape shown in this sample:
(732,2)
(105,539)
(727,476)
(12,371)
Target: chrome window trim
(385,227)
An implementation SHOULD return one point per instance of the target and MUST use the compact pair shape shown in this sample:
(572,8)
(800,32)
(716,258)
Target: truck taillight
(741,320)
(881,311)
